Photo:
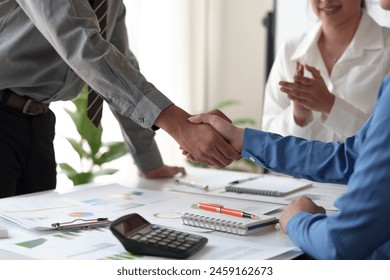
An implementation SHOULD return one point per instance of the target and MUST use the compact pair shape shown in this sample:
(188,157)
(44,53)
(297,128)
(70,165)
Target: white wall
(236,64)
(288,26)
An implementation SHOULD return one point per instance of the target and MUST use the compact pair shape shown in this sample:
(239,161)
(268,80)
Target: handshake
(209,138)
(222,149)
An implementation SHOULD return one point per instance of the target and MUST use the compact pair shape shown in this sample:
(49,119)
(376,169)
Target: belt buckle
(26,106)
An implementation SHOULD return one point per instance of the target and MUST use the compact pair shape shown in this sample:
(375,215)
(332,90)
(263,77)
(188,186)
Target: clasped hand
(234,136)
(218,121)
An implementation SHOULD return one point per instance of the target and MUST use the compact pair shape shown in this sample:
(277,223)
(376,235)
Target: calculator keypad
(166,238)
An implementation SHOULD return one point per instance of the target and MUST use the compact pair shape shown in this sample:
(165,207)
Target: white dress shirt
(354,80)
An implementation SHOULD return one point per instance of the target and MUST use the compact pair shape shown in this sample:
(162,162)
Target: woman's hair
(363,4)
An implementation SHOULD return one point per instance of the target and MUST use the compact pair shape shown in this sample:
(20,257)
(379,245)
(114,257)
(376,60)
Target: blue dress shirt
(361,228)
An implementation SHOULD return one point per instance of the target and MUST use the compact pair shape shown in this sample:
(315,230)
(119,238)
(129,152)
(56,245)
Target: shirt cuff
(291,128)
(149,108)
(253,144)
(294,221)
(339,118)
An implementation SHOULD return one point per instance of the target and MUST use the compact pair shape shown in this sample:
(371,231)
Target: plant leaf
(93,135)
(81,100)
(108,171)
(67,169)
(244,122)
(84,126)
(81,178)
(197,164)
(78,147)
(226,103)
(115,150)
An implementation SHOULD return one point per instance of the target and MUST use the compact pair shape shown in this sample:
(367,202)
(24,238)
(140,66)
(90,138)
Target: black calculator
(140,237)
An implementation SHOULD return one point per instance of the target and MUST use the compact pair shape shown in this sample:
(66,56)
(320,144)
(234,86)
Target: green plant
(243,164)
(239,121)
(93,153)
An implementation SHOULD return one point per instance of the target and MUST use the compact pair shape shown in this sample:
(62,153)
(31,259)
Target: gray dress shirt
(50,48)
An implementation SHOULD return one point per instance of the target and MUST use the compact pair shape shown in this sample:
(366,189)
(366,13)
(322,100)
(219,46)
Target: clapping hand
(310,94)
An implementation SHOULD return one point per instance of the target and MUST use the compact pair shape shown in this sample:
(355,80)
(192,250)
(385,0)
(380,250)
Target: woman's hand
(310,93)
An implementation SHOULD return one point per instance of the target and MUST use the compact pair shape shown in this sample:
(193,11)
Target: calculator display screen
(131,224)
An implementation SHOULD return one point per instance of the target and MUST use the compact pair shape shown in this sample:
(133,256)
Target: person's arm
(341,116)
(313,160)
(139,141)
(278,111)
(359,230)
(72,29)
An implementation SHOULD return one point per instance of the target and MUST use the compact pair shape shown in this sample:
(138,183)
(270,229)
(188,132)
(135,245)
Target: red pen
(220,209)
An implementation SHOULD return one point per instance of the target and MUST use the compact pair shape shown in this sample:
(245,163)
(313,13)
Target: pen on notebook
(192,184)
(220,209)
(243,180)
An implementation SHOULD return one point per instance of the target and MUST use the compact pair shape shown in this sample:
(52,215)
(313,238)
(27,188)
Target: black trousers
(27,161)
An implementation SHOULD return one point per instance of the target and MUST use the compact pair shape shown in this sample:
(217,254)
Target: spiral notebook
(229,224)
(269,185)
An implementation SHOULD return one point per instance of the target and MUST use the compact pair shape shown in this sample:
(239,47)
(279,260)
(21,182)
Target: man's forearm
(172,120)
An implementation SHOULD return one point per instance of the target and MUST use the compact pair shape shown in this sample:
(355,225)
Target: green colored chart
(32,243)
(122,256)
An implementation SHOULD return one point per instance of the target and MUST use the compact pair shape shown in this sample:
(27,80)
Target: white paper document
(116,200)
(108,201)
(322,194)
(41,212)
(100,244)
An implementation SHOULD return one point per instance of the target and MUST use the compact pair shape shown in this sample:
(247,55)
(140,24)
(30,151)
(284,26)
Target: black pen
(243,180)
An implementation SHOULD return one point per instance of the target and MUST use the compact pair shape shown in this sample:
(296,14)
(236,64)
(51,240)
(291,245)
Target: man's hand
(232,134)
(201,141)
(310,93)
(164,171)
(302,204)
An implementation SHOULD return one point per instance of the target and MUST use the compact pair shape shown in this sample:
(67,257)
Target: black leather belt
(23,104)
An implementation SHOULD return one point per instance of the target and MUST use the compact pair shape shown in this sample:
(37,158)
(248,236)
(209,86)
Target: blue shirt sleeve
(313,160)
(360,229)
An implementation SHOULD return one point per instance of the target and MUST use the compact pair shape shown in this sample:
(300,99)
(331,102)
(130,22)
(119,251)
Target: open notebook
(269,185)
